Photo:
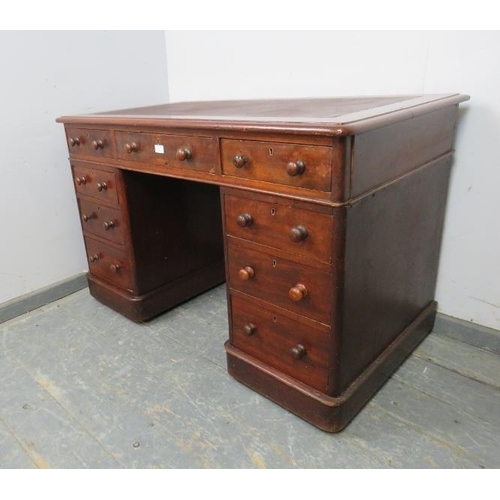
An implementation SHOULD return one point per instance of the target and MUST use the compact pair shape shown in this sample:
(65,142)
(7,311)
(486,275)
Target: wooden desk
(324,215)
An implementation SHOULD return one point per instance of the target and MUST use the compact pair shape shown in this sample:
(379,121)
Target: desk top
(326,116)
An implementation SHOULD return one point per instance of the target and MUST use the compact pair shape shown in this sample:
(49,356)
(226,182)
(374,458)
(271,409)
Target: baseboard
(467,332)
(41,297)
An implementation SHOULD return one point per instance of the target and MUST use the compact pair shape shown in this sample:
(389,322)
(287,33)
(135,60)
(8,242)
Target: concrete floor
(84,387)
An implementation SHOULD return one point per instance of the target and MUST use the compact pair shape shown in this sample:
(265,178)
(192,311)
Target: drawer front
(96,143)
(109,263)
(196,153)
(102,221)
(281,226)
(96,183)
(277,280)
(284,344)
(292,164)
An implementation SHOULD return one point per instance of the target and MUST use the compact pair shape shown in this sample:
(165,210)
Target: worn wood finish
(332,212)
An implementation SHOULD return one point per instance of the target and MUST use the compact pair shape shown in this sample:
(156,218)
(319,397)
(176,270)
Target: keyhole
(271,151)
(275,319)
(273,211)
(274,262)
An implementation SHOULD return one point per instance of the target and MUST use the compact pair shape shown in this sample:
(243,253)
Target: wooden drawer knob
(132,147)
(298,351)
(109,225)
(244,220)
(297,292)
(246,273)
(102,186)
(295,168)
(249,329)
(81,180)
(98,145)
(183,154)
(239,161)
(94,258)
(86,217)
(74,141)
(114,268)
(298,234)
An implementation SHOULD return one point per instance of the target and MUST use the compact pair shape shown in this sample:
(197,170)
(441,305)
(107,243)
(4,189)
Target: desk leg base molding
(329,413)
(142,308)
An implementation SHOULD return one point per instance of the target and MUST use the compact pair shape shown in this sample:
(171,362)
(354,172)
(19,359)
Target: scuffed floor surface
(82,386)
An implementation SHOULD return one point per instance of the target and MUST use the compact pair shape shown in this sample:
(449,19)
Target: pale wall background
(229,65)
(45,75)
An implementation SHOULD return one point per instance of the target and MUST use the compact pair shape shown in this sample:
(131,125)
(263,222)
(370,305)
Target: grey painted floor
(82,386)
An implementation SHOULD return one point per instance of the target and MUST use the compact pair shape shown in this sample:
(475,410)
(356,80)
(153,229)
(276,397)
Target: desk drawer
(109,263)
(295,230)
(293,286)
(296,165)
(176,151)
(100,184)
(299,351)
(96,143)
(102,221)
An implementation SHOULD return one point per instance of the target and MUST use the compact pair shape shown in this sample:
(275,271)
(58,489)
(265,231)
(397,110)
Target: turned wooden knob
(94,258)
(102,186)
(109,225)
(244,220)
(297,292)
(239,161)
(86,217)
(294,168)
(98,144)
(298,234)
(249,329)
(81,180)
(114,268)
(131,147)
(246,273)
(183,154)
(74,141)
(298,351)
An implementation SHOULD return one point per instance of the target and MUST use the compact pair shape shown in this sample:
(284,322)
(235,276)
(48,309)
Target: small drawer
(299,351)
(286,227)
(100,184)
(109,263)
(293,286)
(176,151)
(90,142)
(102,221)
(296,165)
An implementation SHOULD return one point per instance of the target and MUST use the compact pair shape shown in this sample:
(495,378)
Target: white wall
(226,65)
(45,75)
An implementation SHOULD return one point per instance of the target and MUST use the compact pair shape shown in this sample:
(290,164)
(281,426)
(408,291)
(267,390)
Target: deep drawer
(292,164)
(86,142)
(196,153)
(299,351)
(277,280)
(295,230)
(102,221)
(100,184)
(109,263)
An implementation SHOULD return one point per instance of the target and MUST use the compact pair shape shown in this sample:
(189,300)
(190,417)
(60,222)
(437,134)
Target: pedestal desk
(324,216)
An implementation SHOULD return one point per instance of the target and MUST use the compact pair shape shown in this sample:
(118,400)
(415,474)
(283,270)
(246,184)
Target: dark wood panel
(386,153)
(273,162)
(96,183)
(175,227)
(281,226)
(391,260)
(90,142)
(275,339)
(274,278)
